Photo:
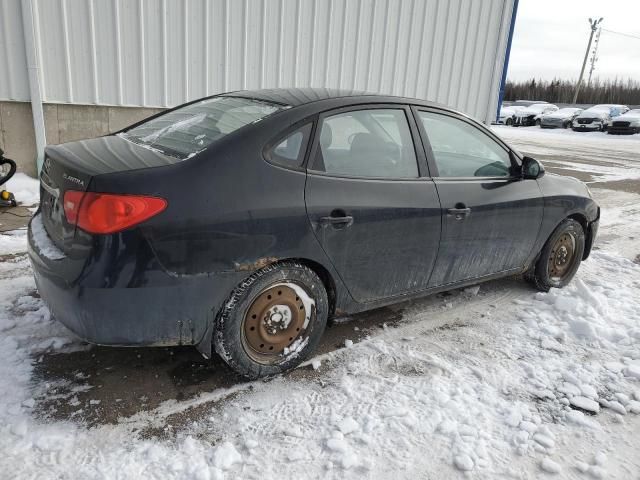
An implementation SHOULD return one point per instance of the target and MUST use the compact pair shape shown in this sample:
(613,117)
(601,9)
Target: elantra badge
(75,180)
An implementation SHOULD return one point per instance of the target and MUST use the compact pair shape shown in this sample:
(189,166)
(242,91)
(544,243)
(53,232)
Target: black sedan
(242,222)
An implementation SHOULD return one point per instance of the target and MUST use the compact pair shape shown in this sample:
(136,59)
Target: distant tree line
(561,91)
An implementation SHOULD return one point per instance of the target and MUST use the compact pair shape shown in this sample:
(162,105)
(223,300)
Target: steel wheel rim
(562,257)
(273,322)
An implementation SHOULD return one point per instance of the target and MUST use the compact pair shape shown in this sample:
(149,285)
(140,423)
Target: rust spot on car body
(340,313)
(257,265)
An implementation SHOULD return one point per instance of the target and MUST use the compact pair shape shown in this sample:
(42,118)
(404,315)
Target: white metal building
(160,53)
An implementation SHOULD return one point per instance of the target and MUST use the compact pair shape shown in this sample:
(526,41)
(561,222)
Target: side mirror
(531,168)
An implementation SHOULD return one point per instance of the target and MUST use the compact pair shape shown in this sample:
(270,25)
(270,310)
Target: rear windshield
(188,130)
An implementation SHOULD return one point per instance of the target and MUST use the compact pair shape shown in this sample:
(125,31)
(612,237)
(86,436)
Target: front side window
(289,152)
(188,130)
(462,150)
(367,143)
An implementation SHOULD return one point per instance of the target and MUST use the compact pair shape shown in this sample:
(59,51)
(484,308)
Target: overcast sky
(551,37)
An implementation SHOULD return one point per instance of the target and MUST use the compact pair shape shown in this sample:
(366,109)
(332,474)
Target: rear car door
(491,216)
(370,202)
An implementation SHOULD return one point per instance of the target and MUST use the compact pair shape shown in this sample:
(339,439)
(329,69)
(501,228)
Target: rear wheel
(508,122)
(560,257)
(272,321)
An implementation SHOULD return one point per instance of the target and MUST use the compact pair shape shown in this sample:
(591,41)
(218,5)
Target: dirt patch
(567,172)
(12,257)
(102,385)
(631,186)
(13,218)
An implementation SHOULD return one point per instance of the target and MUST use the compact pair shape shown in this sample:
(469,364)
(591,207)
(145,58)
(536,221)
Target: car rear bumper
(173,311)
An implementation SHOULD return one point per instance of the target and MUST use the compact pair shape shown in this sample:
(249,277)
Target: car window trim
(514,158)
(274,141)
(423,170)
(477,179)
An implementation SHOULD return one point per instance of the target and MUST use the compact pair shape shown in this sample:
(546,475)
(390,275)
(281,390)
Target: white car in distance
(532,114)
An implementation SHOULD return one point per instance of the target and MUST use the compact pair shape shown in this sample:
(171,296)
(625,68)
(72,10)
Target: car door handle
(459,212)
(341,221)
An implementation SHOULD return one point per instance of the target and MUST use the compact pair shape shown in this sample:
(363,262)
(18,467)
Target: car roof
(295,97)
(608,105)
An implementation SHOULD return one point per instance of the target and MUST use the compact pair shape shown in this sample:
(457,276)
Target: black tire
(509,122)
(538,122)
(4,177)
(566,125)
(230,337)
(544,274)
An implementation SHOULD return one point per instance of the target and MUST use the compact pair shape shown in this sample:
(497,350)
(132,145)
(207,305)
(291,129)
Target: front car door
(491,216)
(370,202)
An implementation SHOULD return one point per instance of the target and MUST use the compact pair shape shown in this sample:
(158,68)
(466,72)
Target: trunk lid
(72,166)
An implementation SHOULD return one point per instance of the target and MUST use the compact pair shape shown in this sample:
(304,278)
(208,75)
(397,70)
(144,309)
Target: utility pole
(594,26)
(594,56)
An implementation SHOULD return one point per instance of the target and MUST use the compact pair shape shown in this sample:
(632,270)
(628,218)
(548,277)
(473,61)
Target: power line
(620,33)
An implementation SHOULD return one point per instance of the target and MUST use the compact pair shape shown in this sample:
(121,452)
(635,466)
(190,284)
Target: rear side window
(289,151)
(188,130)
(367,143)
(462,150)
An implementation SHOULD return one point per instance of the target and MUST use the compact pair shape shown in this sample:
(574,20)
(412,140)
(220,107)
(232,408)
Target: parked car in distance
(242,222)
(561,118)
(597,118)
(531,115)
(625,124)
(507,114)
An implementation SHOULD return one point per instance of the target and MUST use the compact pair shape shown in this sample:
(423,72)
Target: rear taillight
(109,213)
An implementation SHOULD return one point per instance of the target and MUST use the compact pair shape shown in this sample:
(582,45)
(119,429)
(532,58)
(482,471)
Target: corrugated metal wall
(165,52)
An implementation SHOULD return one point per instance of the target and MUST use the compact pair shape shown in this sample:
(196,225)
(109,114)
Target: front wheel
(509,122)
(560,257)
(272,321)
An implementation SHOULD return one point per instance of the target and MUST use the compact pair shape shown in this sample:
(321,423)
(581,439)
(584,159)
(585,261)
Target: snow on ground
(25,188)
(12,242)
(495,382)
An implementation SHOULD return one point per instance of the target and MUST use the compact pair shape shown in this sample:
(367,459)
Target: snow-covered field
(495,382)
